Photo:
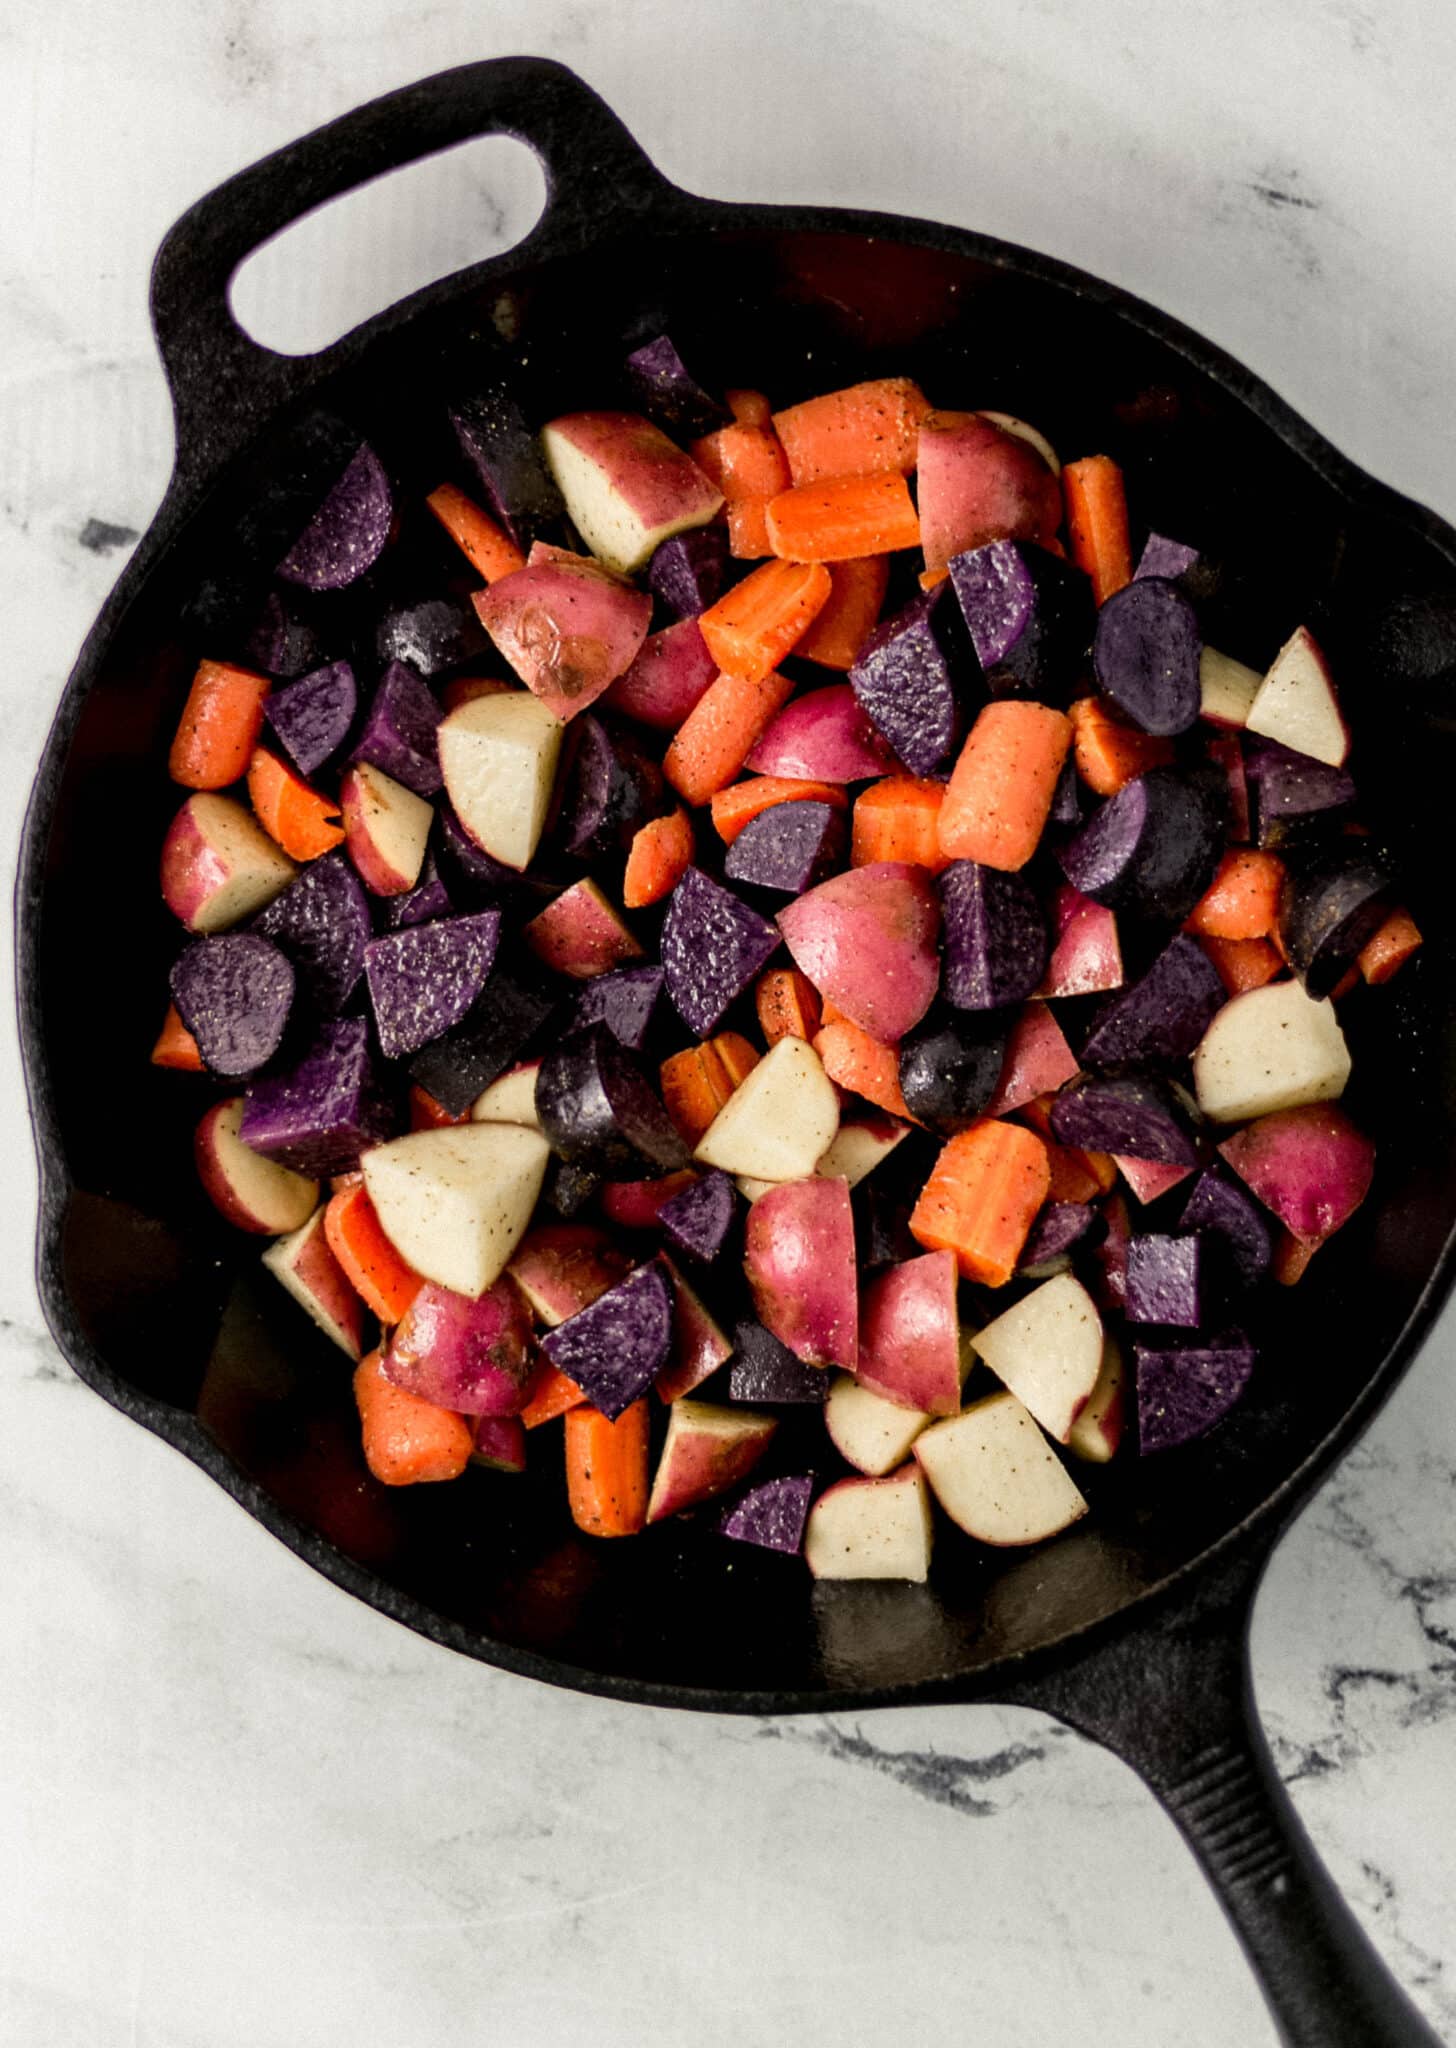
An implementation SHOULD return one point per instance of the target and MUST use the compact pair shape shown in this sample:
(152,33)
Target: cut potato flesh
(1296,703)
(780,1119)
(996,1476)
(1047,1350)
(456,1202)
(1227,688)
(870,1433)
(498,756)
(1271,1048)
(510,1100)
(858,1148)
(871,1529)
(1097,1431)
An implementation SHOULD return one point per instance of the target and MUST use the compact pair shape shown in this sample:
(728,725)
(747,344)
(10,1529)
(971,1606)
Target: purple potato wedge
(713,948)
(1183,1389)
(399,731)
(607,785)
(996,943)
(491,1036)
(700,1217)
(625,1000)
(1139,1115)
(319,1115)
(322,923)
(1333,900)
(282,642)
(616,1347)
(1168,560)
(432,636)
(771,1515)
(427,900)
(312,718)
(1223,1209)
(1293,796)
(950,1067)
(666,390)
(504,454)
(1057,1227)
(915,677)
(1029,616)
(1169,1279)
(1145,655)
(788,848)
(347,534)
(690,572)
(1152,849)
(234,993)
(423,980)
(765,1371)
(1160,1017)
(598,1109)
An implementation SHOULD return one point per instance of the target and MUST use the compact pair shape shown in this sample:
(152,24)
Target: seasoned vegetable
(700,1216)
(624,1000)
(1151,850)
(473,1356)
(788,848)
(914,678)
(1145,654)
(766,1371)
(799,1259)
(713,948)
(615,1348)
(1163,1015)
(499,1025)
(597,1108)
(1219,1208)
(1333,902)
(950,1065)
(1029,615)
(822,737)
(995,937)
(668,392)
(1184,1389)
(234,993)
(868,942)
(346,536)
(399,731)
(424,979)
(771,1515)
(1138,1114)
(319,1115)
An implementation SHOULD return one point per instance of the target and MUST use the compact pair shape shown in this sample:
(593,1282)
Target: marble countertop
(235,1806)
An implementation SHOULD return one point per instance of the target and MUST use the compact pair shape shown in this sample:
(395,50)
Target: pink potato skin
(563,1268)
(1087,957)
(472,1356)
(580,935)
(375,870)
(192,868)
(869,942)
(1311,1166)
(822,737)
(703,1466)
(976,483)
(566,628)
(1038,1061)
(909,1335)
(500,1442)
(699,1347)
(799,1258)
(1149,1178)
(666,680)
(209,1156)
(319,1273)
(648,472)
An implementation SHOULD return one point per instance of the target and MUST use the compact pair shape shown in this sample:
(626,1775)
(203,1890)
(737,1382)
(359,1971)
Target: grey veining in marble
(236,1809)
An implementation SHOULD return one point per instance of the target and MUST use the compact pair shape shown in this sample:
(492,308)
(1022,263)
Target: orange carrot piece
(744,461)
(861,430)
(831,1012)
(660,855)
(928,579)
(1108,751)
(720,732)
(1071,1180)
(1097,522)
(219,726)
(1242,900)
(372,1266)
(606,1470)
(740,803)
(760,620)
(787,1003)
(694,1087)
(735,1055)
(1390,948)
(749,408)
(428,1115)
(407,1440)
(1291,1257)
(487,547)
(303,822)
(1243,963)
(982,1197)
(176,1047)
(843,516)
(854,1060)
(857,591)
(1001,789)
(898,819)
(551,1395)
(748,539)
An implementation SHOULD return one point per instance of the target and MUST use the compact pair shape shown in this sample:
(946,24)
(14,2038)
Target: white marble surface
(236,1808)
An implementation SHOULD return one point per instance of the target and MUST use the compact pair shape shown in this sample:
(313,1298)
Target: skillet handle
(223,383)
(1174,1700)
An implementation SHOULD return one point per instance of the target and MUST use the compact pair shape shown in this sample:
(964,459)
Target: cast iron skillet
(1132,1627)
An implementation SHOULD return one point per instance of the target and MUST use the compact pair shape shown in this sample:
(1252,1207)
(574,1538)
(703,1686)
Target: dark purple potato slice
(764,1370)
(1293,795)
(690,572)
(569,1189)
(700,1217)
(1334,899)
(615,1349)
(598,1109)
(312,717)
(995,937)
(1066,811)
(1161,1017)
(625,1000)
(428,899)
(914,678)
(1145,655)
(496,1029)
(1172,1280)
(321,922)
(1183,1389)
(433,636)
(234,993)
(606,789)
(1166,559)
(476,877)
(1058,1226)
(950,1065)
(346,535)
(772,1515)
(423,980)
(670,395)
(321,1114)
(1226,1210)
(1029,615)
(1152,849)
(788,847)
(399,732)
(1136,1114)
(501,449)
(282,642)
(713,948)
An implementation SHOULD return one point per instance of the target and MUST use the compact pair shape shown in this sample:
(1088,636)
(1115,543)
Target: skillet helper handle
(1174,1700)
(224,384)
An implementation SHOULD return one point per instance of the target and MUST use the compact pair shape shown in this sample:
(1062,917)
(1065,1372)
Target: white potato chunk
(1271,1048)
(1227,688)
(1097,1431)
(1047,1349)
(996,1476)
(510,1100)
(498,756)
(869,1432)
(1297,706)
(456,1202)
(871,1529)
(779,1120)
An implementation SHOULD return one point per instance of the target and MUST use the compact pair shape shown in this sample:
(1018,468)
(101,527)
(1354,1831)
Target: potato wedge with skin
(858,1147)
(799,1257)
(1097,1431)
(1271,1048)
(1227,688)
(708,1449)
(456,1202)
(996,1476)
(218,865)
(253,1193)
(869,1432)
(306,1267)
(510,1100)
(872,1529)
(498,756)
(780,1119)
(1296,703)
(1047,1350)
(627,487)
(562,1268)
(910,1339)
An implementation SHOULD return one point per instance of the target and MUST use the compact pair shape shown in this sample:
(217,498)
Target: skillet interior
(157,1302)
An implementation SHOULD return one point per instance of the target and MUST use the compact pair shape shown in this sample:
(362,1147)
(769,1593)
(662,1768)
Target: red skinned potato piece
(218,865)
(306,1267)
(707,1451)
(580,934)
(975,483)
(699,1345)
(868,941)
(823,736)
(1038,1061)
(800,1260)
(562,1268)
(386,829)
(665,681)
(627,487)
(252,1192)
(566,630)
(1148,1178)
(1086,952)
(1296,703)
(1312,1166)
(909,1335)
(500,1443)
(470,1355)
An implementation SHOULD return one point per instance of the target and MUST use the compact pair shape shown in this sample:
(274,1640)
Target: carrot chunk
(696,1082)
(372,1266)
(787,1003)
(303,822)
(744,461)
(219,726)
(854,1060)
(1000,792)
(721,731)
(1390,948)
(740,803)
(660,855)
(760,620)
(1242,900)
(748,539)
(1243,963)
(843,516)
(426,1114)
(982,1197)
(176,1047)
(606,1470)
(407,1440)
(856,593)
(899,819)
(1108,751)
(552,1394)
(487,547)
(1097,522)
(858,431)
(749,408)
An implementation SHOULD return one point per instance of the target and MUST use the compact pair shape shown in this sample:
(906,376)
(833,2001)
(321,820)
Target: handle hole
(364,251)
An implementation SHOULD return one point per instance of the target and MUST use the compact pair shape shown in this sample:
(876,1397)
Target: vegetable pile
(823,995)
